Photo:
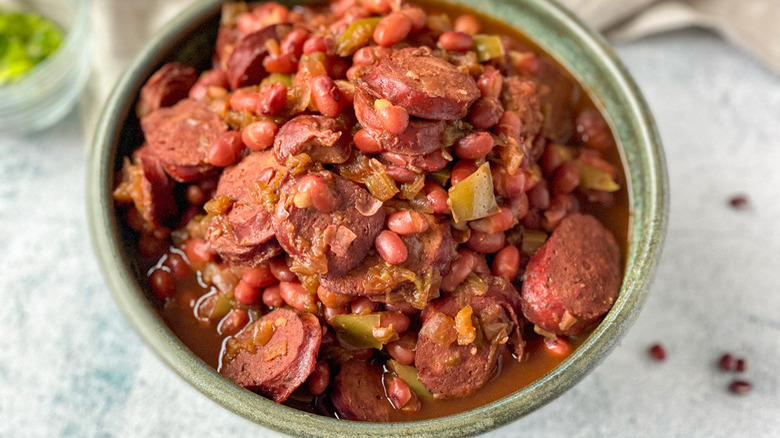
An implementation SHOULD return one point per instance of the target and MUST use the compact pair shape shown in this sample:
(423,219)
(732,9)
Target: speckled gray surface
(71,366)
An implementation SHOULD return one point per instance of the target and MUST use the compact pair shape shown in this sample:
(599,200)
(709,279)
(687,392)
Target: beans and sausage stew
(376,210)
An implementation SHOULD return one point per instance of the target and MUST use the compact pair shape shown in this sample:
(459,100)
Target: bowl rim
(649,216)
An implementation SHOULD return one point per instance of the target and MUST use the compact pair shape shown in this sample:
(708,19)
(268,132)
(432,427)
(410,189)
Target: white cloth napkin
(124,26)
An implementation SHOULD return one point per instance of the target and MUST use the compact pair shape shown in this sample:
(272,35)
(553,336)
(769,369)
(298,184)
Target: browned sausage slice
(245,65)
(168,85)
(157,202)
(358,393)
(448,369)
(335,241)
(419,138)
(181,135)
(278,366)
(427,86)
(433,249)
(574,277)
(324,139)
(244,236)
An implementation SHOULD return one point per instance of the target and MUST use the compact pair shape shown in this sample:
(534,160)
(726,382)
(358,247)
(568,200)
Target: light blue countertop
(71,366)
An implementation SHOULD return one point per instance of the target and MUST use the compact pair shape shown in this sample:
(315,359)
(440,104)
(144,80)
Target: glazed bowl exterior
(189,39)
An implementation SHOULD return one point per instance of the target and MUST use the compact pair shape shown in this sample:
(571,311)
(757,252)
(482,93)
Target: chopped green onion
(25,40)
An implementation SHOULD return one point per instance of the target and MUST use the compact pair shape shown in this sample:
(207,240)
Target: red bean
(162,283)
(326,95)
(394,118)
(566,178)
(366,142)
(485,113)
(284,63)
(434,161)
(370,55)
(233,322)
(739,202)
(331,299)
(214,78)
(377,6)
(461,170)
(272,296)
(272,99)
(474,145)
(592,130)
(296,296)
(391,248)
(259,276)
(406,222)
(519,206)
(315,44)
(459,270)
(456,41)
(657,352)
(393,28)
(398,320)
(525,62)
(259,135)
(507,263)
(337,67)
(294,41)
(490,82)
(467,23)
(498,222)
(226,149)
(509,125)
(551,159)
(486,243)
(740,387)
(178,266)
(150,247)
(198,251)
(244,100)
(438,198)
(400,174)
(354,72)
(557,347)
(280,270)
(741,365)
(539,196)
(316,193)
(417,17)
(727,363)
(560,207)
(330,312)
(402,350)
(319,379)
(247,294)
(398,392)
(363,305)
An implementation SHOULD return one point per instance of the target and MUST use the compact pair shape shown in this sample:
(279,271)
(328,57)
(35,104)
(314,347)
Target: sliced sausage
(276,368)
(449,369)
(574,277)
(244,236)
(157,202)
(358,393)
(432,250)
(245,65)
(168,85)
(324,139)
(420,137)
(333,241)
(181,136)
(427,86)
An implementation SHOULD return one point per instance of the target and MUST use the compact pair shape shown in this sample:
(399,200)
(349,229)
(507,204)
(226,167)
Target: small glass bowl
(48,92)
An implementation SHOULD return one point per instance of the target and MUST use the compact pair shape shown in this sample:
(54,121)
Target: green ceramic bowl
(584,53)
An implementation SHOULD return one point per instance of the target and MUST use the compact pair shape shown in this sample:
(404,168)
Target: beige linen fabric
(121,27)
